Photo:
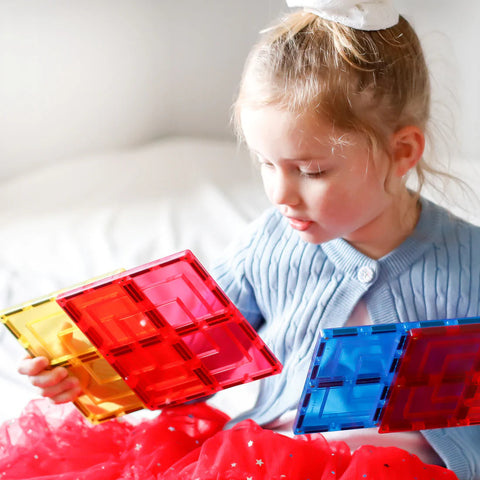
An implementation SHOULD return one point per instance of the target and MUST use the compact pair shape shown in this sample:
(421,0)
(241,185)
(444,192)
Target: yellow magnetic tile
(44,329)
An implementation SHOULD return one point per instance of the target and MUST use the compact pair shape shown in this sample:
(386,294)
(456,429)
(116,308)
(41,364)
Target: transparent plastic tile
(43,328)
(349,378)
(355,381)
(438,382)
(169,331)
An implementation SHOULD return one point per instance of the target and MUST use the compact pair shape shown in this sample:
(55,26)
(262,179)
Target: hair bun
(358,14)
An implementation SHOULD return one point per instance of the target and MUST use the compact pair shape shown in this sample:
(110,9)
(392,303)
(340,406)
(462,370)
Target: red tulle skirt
(52,442)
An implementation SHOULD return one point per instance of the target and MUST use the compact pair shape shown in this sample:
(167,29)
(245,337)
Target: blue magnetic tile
(349,377)
(351,374)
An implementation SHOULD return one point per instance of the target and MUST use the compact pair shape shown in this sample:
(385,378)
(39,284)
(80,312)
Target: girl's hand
(54,383)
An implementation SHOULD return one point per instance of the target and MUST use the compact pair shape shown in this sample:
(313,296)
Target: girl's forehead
(283,135)
(287,119)
(281,123)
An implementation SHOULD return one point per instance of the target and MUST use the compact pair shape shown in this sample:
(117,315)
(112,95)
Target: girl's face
(327,184)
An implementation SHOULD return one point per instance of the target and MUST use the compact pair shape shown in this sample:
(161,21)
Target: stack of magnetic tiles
(399,377)
(156,335)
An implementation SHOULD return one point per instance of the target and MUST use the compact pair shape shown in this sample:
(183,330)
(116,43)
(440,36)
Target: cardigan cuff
(452,454)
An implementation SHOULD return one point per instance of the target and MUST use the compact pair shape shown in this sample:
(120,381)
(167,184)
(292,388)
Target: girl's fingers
(33,366)
(49,378)
(65,391)
(54,383)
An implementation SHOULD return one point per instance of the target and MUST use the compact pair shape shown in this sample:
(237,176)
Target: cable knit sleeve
(458,447)
(232,271)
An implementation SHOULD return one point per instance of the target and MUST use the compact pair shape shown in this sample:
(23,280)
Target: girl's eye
(312,174)
(311,170)
(262,162)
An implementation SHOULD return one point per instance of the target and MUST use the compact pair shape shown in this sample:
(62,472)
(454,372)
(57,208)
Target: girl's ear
(407,146)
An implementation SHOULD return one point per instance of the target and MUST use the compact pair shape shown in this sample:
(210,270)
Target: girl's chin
(310,236)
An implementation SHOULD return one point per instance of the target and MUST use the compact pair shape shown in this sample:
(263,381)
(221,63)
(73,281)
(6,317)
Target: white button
(366,274)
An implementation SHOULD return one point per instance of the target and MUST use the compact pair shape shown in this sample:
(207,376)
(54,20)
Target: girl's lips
(299,224)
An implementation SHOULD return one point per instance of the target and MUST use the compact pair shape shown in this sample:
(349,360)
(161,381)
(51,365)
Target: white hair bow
(359,14)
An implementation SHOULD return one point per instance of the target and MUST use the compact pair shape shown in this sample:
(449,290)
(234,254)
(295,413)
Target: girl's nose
(285,190)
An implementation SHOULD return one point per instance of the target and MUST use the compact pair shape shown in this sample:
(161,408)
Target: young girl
(334,105)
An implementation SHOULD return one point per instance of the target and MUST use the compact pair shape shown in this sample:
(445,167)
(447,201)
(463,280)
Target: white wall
(81,76)
(77,76)
(450,34)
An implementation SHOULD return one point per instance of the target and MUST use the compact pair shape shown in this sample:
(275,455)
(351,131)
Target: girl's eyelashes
(315,174)
(311,170)
(259,160)
(264,163)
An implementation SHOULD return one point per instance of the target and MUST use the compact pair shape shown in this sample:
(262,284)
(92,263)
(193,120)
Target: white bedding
(90,216)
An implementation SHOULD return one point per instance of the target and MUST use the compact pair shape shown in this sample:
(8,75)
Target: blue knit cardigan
(290,289)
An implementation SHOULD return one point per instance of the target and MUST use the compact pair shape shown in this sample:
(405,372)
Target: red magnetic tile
(438,382)
(199,297)
(162,373)
(169,331)
(228,350)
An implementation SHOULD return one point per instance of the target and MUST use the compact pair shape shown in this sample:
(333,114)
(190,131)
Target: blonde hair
(371,82)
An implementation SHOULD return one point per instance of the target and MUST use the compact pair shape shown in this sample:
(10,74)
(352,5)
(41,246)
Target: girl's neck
(390,229)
